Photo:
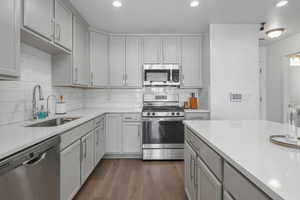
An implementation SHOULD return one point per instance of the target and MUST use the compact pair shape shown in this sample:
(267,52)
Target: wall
(16,96)
(234,68)
(276,53)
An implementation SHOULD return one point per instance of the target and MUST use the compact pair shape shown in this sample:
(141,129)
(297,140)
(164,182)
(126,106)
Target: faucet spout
(34,101)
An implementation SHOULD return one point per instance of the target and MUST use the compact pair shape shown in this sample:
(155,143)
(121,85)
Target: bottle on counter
(193,102)
(61,107)
(42,113)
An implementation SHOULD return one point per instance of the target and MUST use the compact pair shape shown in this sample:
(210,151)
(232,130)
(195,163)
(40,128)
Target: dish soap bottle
(42,114)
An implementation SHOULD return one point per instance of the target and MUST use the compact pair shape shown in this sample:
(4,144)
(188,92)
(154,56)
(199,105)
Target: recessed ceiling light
(282,3)
(194,3)
(117,3)
(274,33)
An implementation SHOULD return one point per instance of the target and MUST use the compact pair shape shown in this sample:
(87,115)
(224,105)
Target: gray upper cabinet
(74,70)
(161,50)
(10,39)
(133,62)
(38,17)
(171,50)
(117,61)
(191,62)
(81,59)
(152,47)
(99,60)
(63,25)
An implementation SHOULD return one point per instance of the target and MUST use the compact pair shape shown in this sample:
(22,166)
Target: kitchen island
(241,161)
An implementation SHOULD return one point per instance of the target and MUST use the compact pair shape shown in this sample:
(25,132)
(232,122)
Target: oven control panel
(163,114)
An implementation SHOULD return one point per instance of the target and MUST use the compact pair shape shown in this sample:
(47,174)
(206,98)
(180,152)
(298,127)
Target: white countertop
(196,110)
(15,137)
(245,144)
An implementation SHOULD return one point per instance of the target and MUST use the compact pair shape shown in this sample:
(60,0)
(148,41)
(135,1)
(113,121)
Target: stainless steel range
(163,130)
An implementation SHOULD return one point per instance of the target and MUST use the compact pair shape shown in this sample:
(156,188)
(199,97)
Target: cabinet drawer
(196,116)
(209,156)
(74,134)
(240,187)
(132,117)
(99,121)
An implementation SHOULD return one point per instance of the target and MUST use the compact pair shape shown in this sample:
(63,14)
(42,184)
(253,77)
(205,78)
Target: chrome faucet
(34,102)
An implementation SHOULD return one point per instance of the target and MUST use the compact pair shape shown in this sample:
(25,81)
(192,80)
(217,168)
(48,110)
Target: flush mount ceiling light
(117,3)
(274,33)
(194,3)
(281,3)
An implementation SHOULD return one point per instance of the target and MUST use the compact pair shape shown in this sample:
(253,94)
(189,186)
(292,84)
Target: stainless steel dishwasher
(32,174)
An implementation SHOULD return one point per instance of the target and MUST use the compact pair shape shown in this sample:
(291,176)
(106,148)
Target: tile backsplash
(134,97)
(16,96)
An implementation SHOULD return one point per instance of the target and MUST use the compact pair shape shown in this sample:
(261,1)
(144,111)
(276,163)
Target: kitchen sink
(54,122)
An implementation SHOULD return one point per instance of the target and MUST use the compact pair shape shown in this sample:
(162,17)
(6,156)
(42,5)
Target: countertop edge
(240,168)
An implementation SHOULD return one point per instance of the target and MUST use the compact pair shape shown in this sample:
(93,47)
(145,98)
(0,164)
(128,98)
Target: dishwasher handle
(36,160)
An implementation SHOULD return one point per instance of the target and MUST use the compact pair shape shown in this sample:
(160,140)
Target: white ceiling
(175,16)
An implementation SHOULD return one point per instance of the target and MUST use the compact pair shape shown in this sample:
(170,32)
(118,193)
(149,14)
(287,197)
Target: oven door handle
(163,119)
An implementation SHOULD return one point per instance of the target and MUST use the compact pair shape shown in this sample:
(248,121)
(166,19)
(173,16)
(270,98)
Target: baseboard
(122,156)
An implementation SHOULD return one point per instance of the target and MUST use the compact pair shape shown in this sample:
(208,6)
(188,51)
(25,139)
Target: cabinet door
(113,134)
(80,53)
(87,156)
(38,16)
(171,50)
(226,196)
(152,50)
(133,62)
(131,137)
(63,25)
(70,171)
(99,60)
(117,61)
(191,62)
(208,186)
(99,144)
(10,38)
(190,171)
(102,142)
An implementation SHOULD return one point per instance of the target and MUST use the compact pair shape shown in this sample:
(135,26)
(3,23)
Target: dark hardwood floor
(135,180)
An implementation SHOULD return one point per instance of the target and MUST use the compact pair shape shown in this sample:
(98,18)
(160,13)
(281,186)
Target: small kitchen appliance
(161,75)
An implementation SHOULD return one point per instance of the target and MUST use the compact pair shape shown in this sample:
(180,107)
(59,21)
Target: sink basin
(54,122)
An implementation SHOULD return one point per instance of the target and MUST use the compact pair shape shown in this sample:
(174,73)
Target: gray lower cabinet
(209,177)
(239,187)
(190,161)
(10,39)
(123,135)
(208,186)
(99,143)
(226,196)
(87,156)
(196,115)
(131,137)
(70,171)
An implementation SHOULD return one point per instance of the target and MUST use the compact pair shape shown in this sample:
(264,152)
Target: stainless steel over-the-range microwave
(161,75)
